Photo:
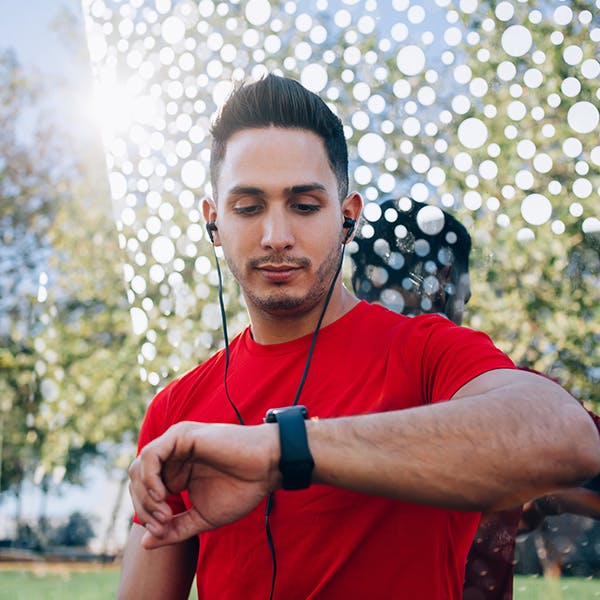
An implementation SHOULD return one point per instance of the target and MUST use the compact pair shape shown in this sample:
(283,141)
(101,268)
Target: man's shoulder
(214,362)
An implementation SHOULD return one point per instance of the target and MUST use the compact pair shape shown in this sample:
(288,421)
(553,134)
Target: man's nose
(277,231)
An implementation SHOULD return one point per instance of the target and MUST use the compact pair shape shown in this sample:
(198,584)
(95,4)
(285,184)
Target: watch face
(272,413)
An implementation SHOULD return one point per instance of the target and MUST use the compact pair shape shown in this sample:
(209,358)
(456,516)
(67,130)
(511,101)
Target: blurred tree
(522,160)
(92,397)
(27,206)
(93,394)
(68,377)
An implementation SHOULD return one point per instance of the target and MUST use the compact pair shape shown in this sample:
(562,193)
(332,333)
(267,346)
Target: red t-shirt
(333,543)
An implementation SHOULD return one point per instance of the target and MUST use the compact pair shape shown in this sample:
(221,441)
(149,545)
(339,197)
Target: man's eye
(246,210)
(306,208)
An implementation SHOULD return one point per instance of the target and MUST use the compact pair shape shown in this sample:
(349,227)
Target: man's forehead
(257,136)
(281,157)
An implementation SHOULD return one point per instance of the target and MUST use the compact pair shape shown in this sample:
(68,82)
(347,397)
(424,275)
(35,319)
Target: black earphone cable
(268,509)
(320,321)
(271,497)
(226,340)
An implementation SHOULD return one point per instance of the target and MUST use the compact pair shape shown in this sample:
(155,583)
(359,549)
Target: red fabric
(331,543)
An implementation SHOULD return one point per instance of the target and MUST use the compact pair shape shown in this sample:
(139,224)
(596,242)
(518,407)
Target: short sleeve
(446,356)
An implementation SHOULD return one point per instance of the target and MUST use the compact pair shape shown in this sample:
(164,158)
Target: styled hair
(280,102)
(407,250)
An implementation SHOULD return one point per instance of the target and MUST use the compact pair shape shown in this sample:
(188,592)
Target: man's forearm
(477,452)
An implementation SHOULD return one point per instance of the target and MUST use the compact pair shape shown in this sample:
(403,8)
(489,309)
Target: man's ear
(209,211)
(352,207)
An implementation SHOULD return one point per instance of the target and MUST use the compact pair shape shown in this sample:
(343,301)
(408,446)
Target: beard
(280,301)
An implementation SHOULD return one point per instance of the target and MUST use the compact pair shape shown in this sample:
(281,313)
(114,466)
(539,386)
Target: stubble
(281,300)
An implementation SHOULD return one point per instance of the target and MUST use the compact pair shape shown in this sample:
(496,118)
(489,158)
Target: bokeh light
(420,120)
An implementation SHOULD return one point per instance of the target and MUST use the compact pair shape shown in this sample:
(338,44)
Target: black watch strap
(296,462)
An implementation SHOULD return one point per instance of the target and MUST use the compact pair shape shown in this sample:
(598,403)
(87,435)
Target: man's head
(284,103)
(279,176)
(414,259)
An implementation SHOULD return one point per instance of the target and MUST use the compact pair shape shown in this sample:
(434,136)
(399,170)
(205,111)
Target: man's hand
(575,501)
(226,469)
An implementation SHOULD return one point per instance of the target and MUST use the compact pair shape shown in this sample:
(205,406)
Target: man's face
(279,218)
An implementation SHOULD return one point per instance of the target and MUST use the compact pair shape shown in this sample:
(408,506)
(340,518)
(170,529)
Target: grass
(95,582)
(565,588)
(60,581)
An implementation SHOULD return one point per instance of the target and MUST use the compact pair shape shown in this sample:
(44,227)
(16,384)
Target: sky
(25,25)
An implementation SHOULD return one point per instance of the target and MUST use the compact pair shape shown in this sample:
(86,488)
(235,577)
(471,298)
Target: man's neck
(276,329)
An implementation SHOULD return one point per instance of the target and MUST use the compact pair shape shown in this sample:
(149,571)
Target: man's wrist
(273,475)
(296,462)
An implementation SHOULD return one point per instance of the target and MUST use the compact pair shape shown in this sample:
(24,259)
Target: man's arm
(507,436)
(575,501)
(164,574)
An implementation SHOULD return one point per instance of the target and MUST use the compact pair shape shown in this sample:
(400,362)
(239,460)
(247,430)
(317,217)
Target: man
(415,259)
(406,446)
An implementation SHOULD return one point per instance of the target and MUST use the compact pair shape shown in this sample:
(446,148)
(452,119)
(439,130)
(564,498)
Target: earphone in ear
(349,223)
(210,227)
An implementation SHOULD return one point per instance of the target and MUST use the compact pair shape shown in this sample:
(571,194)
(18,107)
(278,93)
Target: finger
(150,518)
(148,470)
(181,527)
(140,493)
(147,509)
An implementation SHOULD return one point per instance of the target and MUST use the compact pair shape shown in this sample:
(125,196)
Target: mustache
(278,259)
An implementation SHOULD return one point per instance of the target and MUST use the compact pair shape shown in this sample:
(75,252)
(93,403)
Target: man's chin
(282,305)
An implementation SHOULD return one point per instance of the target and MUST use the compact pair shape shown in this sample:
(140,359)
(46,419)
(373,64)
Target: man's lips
(279,273)
(279,268)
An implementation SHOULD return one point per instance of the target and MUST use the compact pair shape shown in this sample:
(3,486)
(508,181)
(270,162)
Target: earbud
(349,223)
(210,227)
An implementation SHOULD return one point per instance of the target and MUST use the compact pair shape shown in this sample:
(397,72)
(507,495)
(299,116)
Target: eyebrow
(249,190)
(307,187)
(245,190)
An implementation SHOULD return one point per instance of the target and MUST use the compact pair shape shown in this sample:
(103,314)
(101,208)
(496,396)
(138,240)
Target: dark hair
(405,250)
(280,102)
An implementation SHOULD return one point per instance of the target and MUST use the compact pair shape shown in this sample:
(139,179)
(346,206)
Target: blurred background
(107,287)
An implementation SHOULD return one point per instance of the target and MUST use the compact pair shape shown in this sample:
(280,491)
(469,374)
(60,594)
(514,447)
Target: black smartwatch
(296,462)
